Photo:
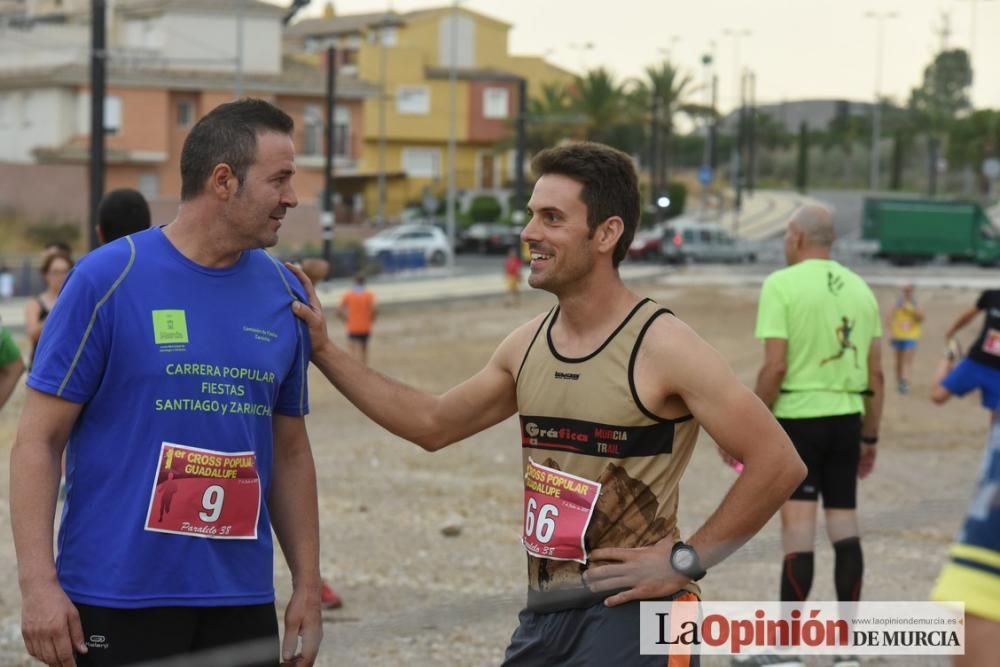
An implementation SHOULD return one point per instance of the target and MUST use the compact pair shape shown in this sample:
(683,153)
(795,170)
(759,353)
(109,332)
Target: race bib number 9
(204,493)
(557,511)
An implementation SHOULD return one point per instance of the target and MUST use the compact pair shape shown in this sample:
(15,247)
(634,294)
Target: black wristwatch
(869,439)
(684,559)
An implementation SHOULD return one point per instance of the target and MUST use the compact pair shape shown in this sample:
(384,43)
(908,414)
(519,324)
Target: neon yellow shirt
(904,324)
(829,317)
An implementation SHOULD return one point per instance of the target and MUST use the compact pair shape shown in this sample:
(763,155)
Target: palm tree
(670,89)
(600,98)
(551,118)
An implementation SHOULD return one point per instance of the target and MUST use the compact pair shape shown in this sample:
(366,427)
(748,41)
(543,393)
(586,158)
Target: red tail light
(678,240)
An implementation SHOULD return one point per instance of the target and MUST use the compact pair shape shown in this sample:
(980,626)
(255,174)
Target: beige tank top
(583,416)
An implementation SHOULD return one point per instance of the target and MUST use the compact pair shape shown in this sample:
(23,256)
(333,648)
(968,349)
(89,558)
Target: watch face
(683,559)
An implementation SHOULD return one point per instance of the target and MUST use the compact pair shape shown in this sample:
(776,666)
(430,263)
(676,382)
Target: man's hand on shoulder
(312,312)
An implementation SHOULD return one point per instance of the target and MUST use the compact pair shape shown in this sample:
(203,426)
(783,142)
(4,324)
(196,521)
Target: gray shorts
(595,636)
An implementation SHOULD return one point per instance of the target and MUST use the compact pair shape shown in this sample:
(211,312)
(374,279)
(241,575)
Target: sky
(798,49)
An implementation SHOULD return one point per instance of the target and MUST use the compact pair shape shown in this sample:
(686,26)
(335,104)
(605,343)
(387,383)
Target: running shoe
(846,661)
(329,598)
(767,661)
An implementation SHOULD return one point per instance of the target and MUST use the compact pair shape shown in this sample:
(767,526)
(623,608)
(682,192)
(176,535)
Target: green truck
(909,231)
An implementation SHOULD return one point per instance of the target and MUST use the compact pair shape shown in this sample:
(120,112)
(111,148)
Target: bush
(485,208)
(44,234)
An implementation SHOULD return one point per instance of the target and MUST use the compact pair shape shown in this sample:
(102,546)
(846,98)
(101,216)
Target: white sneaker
(767,661)
(846,661)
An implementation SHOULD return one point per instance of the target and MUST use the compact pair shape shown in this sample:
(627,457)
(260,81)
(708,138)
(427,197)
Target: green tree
(600,98)
(940,100)
(672,90)
(551,118)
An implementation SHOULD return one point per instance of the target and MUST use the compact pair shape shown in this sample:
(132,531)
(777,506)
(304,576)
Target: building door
(487,171)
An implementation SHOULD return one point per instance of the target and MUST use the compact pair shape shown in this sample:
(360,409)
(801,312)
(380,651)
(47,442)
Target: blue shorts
(972,573)
(969,375)
(903,343)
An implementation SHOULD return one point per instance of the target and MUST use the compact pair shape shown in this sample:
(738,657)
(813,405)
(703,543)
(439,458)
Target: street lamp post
(738,101)
(972,35)
(452,129)
(880,18)
(582,49)
(388,20)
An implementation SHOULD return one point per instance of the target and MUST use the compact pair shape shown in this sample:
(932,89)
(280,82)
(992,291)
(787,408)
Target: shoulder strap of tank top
(631,372)
(533,339)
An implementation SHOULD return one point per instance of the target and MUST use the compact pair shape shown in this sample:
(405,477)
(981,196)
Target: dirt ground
(415,597)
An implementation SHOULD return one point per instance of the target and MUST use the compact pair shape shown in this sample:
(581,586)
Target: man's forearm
(769,384)
(873,405)
(767,480)
(403,410)
(294,514)
(35,471)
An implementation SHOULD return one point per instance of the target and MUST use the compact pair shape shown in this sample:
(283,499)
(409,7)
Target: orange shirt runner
(360,309)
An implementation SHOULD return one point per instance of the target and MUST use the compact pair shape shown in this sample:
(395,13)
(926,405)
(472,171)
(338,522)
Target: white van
(689,240)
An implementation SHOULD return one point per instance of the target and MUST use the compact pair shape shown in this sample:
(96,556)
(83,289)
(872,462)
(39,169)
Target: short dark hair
(122,212)
(228,135)
(51,256)
(610,184)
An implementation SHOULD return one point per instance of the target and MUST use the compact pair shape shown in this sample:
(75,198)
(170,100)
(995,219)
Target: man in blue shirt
(175,371)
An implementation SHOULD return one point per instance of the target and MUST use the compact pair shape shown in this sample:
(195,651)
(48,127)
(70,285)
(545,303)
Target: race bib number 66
(557,510)
(205,493)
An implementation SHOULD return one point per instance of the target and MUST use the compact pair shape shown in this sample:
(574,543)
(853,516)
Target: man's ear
(223,182)
(608,233)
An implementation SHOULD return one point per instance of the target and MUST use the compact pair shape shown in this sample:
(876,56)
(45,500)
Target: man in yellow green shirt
(822,379)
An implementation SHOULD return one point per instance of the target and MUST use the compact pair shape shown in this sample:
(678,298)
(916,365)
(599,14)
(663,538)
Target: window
(112,114)
(149,185)
(422,162)
(495,103)
(185,113)
(314,122)
(312,143)
(413,100)
(389,35)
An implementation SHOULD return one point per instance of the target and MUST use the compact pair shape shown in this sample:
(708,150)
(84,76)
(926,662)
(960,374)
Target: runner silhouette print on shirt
(843,333)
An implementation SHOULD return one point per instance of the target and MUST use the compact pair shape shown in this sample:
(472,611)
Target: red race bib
(558,507)
(204,493)
(991,342)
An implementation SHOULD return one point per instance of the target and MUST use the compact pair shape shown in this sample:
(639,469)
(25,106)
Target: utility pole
(452,129)
(517,214)
(752,132)
(329,216)
(238,86)
(880,18)
(98,62)
(654,151)
(382,26)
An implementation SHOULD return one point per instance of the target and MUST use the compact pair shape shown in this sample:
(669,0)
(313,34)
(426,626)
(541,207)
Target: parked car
(688,240)
(489,237)
(406,239)
(647,244)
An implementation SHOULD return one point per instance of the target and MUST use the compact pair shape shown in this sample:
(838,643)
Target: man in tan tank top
(610,389)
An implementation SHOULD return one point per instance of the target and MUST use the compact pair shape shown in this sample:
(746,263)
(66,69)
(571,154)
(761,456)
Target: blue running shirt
(179,369)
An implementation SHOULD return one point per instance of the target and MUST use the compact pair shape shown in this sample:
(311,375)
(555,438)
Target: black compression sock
(796,576)
(848,569)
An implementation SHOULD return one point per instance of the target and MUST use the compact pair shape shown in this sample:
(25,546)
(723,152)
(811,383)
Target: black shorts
(361,338)
(242,636)
(595,636)
(830,447)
